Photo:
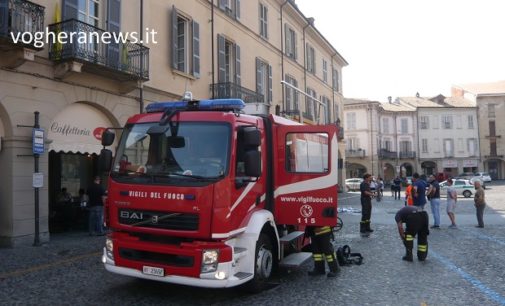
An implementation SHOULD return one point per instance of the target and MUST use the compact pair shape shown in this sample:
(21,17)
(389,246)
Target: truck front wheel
(263,264)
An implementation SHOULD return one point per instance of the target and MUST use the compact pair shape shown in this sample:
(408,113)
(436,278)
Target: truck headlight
(210,259)
(109,247)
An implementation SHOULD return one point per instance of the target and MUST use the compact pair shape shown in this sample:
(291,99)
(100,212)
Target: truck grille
(158,258)
(158,219)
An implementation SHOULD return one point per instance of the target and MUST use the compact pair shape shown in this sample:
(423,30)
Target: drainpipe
(282,58)
(481,162)
(305,64)
(371,136)
(419,149)
(212,47)
(333,89)
(395,117)
(141,89)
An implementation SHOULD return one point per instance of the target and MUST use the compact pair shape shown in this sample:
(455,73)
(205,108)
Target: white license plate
(153,271)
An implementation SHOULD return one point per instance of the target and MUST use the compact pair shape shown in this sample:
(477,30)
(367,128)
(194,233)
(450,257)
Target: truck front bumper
(221,278)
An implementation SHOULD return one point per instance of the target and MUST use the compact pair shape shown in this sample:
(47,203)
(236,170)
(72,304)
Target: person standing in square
(97,196)
(479,202)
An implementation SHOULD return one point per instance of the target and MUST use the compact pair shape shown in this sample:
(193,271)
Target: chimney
(311,20)
(390,99)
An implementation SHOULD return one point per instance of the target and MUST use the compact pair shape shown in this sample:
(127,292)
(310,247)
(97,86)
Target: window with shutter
(69,9)
(335,80)
(185,43)
(311,59)
(264,80)
(325,71)
(291,95)
(230,7)
(290,42)
(229,61)
(113,26)
(263,20)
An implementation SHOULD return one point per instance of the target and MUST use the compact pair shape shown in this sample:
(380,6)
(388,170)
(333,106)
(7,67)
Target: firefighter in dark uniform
(366,204)
(322,249)
(416,222)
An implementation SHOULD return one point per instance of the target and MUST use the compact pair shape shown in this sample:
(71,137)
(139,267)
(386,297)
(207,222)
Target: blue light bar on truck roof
(204,105)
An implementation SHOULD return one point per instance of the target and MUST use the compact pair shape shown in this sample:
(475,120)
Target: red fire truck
(201,194)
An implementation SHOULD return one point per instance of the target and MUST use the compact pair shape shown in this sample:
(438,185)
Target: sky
(402,47)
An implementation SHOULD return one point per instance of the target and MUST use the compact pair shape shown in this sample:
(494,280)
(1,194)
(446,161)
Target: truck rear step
(295,260)
(291,236)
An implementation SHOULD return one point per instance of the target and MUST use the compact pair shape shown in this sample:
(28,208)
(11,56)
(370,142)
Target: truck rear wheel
(263,264)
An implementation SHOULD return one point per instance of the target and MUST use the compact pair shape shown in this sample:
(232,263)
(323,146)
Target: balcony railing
(122,60)
(383,153)
(407,154)
(492,156)
(18,17)
(231,90)
(355,153)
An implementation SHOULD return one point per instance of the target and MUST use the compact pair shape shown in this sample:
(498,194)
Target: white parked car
(353,184)
(463,187)
(483,176)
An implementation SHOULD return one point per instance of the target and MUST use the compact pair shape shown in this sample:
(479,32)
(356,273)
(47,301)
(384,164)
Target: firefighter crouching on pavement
(416,222)
(366,204)
(322,249)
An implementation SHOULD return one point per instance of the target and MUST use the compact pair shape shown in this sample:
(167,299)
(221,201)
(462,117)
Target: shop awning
(78,129)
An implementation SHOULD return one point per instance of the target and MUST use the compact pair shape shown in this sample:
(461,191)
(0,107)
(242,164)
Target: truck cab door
(306,178)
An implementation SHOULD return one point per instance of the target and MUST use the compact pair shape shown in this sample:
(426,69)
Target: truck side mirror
(105,160)
(107,138)
(252,163)
(251,136)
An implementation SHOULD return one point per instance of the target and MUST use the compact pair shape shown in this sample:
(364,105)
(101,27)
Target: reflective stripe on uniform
(422,248)
(409,238)
(329,258)
(317,257)
(322,230)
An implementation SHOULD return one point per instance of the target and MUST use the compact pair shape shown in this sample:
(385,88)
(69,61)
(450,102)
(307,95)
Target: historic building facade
(411,134)
(265,52)
(489,99)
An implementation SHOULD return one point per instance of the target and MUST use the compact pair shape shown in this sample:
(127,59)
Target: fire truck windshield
(199,150)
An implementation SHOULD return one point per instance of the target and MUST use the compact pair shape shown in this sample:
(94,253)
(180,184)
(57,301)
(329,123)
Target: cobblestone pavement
(464,267)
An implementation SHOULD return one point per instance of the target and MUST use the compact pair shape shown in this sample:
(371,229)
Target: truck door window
(307,152)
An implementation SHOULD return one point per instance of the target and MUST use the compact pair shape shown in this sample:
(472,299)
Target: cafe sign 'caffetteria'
(78,129)
(66,129)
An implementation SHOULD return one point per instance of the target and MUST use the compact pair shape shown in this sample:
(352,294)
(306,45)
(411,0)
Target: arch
(78,128)
(495,168)
(355,170)
(2,129)
(406,169)
(5,122)
(429,167)
(114,121)
(389,172)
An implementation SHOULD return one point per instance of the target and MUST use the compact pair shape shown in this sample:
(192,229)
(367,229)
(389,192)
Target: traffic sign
(38,141)
(38,180)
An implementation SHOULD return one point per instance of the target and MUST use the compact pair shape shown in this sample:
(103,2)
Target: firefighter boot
(362,227)
(422,252)
(408,255)
(368,229)
(318,265)
(333,264)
